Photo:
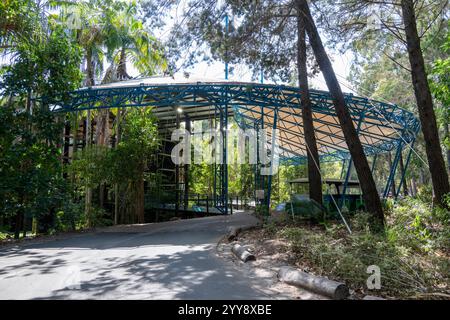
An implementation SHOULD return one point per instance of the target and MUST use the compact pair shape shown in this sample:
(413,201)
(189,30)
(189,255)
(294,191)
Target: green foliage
(42,64)
(29,163)
(90,166)
(18,19)
(139,140)
(111,30)
(45,66)
(124,165)
(411,253)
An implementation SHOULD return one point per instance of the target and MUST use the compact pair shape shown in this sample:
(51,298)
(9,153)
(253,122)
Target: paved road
(172,260)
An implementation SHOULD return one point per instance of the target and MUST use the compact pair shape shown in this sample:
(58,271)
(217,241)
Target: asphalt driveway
(172,260)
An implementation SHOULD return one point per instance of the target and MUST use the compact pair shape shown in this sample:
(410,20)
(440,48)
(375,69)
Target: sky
(341,63)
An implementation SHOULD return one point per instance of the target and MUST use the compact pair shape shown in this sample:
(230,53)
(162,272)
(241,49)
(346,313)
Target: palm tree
(129,41)
(110,32)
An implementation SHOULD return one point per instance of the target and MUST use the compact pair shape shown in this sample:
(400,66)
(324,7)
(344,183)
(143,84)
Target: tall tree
(440,82)
(396,26)
(424,99)
(42,65)
(314,174)
(368,186)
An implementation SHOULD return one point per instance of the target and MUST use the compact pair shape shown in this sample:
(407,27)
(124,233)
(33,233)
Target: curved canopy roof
(382,127)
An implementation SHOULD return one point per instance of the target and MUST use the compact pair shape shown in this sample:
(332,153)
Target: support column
(408,160)
(88,196)
(348,175)
(374,163)
(391,179)
(177,171)
(269,185)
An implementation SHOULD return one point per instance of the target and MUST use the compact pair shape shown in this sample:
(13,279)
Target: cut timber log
(233,233)
(372,298)
(242,253)
(329,288)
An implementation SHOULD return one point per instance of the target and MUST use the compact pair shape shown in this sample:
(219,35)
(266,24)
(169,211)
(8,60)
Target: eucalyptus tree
(440,86)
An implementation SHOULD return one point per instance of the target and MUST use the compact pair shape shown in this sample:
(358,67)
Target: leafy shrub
(411,253)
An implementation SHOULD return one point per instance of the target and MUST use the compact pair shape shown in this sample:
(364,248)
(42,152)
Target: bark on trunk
(314,174)
(424,100)
(122,66)
(102,128)
(368,186)
(18,227)
(414,186)
(89,69)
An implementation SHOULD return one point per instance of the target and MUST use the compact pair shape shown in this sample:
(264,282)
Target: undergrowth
(412,253)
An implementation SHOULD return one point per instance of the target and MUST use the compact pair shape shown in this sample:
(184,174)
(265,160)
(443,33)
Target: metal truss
(381,127)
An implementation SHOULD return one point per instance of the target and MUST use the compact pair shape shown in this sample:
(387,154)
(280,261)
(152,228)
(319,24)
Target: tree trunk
(424,100)
(368,186)
(140,191)
(19,222)
(314,174)
(122,66)
(102,128)
(66,146)
(90,81)
(414,186)
(392,186)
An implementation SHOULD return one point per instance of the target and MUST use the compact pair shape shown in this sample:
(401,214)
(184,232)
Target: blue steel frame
(242,99)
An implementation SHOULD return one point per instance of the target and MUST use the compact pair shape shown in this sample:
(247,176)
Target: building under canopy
(381,127)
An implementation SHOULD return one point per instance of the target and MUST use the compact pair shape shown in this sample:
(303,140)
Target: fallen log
(233,233)
(372,298)
(326,287)
(242,253)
